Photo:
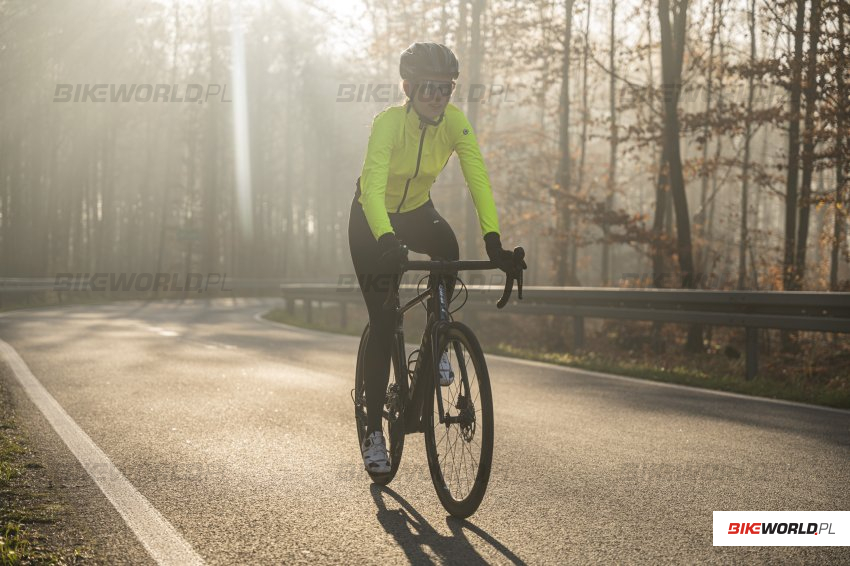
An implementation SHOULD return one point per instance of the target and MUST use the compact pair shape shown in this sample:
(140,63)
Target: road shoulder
(51,512)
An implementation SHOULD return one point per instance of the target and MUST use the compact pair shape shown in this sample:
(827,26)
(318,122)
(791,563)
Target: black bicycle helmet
(427,59)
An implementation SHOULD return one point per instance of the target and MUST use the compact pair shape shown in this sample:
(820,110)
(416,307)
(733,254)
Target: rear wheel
(393,418)
(460,449)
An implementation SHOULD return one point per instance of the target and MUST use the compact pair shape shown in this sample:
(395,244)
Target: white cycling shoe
(447,376)
(374,450)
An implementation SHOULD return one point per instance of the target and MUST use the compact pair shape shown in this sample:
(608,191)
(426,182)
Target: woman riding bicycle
(408,147)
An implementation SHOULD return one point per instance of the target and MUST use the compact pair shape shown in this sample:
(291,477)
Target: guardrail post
(308,308)
(578,333)
(655,339)
(290,306)
(752,353)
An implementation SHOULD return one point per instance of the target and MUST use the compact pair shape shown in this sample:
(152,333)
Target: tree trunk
(564,165)
(720,65)
(701,216)
(840,149)
(672,54)
(745,173)
(585,118)
(170,149)
(612,148)
(654,250)
(661,205)
(808,146)
(209,182)
(788,276)
(460,196)
(472,227)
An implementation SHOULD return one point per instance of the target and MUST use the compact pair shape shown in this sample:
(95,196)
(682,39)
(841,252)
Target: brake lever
(506,294)
(519,256)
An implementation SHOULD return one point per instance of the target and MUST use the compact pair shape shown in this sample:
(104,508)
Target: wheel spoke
(457,459)
(461,453)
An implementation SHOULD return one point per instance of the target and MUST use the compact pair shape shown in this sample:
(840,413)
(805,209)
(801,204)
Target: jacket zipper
(416,172)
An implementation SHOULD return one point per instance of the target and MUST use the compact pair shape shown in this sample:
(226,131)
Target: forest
(653,143)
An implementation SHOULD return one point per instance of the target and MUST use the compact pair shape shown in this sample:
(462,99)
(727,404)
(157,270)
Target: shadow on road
(423,544)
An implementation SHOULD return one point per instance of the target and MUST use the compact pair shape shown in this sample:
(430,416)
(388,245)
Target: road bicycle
(457,420)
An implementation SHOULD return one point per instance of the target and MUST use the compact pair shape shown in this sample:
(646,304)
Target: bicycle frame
(417,388)
(438,315)
(407,407)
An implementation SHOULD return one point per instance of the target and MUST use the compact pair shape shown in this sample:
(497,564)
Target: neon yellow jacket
(403,161)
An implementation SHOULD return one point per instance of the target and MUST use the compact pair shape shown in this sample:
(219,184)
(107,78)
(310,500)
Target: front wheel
(460,448)
(393,418)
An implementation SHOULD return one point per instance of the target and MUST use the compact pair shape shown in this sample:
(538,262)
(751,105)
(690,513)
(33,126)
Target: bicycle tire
(393,415)
(459,494)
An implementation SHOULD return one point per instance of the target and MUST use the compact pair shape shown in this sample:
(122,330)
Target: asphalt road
(240,433)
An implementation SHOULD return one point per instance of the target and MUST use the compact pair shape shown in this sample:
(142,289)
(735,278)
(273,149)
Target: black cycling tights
(423,231)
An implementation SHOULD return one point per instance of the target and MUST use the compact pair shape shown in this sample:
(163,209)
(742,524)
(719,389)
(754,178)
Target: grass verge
(710,376)
(320,322)
(684,375)
(31,527)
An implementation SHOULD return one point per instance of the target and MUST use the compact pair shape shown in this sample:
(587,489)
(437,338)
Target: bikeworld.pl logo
(781,528)
(108,92)
(141,282)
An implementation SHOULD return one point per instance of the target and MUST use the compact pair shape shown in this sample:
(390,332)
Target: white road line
(283,326)
(689,388)
(157,535)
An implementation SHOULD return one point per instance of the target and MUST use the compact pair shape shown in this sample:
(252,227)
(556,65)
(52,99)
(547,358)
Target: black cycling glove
(391,253)
(503,258)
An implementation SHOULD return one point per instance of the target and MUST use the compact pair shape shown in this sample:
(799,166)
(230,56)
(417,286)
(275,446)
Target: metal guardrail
(139,283)
(128,282)
(752,310)
(24,285)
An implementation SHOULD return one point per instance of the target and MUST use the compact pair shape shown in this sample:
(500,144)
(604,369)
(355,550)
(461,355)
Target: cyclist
(408,147)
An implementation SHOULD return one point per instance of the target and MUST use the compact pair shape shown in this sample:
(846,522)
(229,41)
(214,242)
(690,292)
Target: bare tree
(476,55)
(839,230)
(563,176)
(672,53)
(789,265)
(612,136)
(808,143)
(745,173)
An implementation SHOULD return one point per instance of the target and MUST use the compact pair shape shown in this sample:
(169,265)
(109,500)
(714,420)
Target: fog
(211,136)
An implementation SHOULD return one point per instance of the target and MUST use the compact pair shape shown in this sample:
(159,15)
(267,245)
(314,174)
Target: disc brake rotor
(466,412)
(392,400)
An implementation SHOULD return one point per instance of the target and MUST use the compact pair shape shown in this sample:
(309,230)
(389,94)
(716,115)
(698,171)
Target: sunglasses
(428,89)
